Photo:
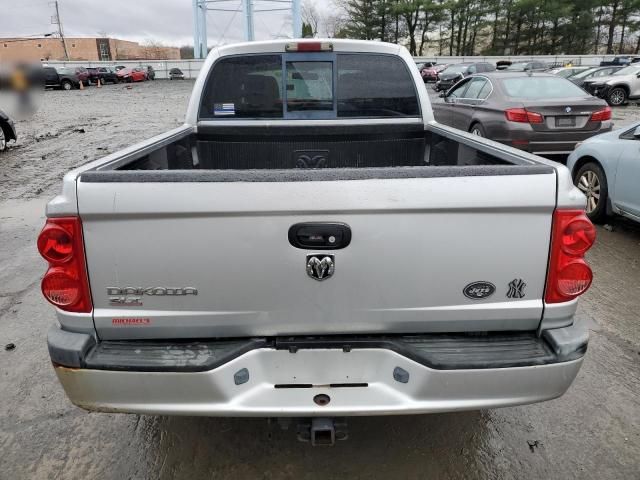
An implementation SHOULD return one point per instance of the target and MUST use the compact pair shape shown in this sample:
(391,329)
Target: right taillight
(65,284)
(601,115)
(569,275)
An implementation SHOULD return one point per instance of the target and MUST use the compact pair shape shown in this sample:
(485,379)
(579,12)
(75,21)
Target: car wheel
(617,96)
(477,130)
(3,140)
(592,181)
(66,85)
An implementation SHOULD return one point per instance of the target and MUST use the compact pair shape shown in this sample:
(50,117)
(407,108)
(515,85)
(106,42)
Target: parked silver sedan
(537,112)
(607,170)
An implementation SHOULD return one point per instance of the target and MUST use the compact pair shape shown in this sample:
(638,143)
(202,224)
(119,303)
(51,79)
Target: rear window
(531,88)
(375,86)
(309,86)
(244,87)
(320,86)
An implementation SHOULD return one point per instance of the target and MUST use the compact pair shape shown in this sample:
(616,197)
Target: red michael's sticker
(131,321)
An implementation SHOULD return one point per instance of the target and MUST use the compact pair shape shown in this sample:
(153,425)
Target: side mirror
(444,94)
(636,132)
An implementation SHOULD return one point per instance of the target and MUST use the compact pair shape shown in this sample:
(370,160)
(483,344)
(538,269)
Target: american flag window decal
(224,109)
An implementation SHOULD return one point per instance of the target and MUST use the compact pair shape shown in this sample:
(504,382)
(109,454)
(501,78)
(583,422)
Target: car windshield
(585,73)
(517,66)
(630,70)
(456,69)
(531,88)
(568,72)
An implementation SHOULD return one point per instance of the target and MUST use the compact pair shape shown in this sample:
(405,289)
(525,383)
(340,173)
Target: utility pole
(247,6)
(58,22)
(296,18)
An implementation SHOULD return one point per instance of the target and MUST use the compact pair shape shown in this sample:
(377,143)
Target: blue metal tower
(200,8)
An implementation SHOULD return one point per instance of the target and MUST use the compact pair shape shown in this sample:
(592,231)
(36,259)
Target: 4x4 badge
(320,266)
(516,288)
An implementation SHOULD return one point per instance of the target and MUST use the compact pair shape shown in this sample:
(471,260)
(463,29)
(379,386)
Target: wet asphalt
(592,432)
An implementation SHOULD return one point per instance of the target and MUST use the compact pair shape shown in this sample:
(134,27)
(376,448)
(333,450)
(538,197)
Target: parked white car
(616,89)
(607,170)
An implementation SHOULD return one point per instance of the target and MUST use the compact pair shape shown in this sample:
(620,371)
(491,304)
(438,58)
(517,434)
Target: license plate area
(565,121)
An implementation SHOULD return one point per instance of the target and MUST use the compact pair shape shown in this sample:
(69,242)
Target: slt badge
(320,266)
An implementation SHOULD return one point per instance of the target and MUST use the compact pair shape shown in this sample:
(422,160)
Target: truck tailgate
(417,243)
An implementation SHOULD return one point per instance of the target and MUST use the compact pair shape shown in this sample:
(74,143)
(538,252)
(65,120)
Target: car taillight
(601,115)
(522,115)
(569,275)
(309,47)
(65,284)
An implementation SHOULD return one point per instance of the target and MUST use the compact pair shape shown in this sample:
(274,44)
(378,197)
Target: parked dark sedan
(105,74)
(176,74)
(453,73)
(536,112)
(592,73)
(7,130)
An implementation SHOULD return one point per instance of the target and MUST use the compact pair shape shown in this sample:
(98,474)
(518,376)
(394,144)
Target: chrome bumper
(284,382)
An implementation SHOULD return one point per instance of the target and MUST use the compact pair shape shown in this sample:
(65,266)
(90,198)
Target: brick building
(90,49)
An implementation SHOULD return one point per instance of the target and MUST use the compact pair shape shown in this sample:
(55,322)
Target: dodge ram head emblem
(320,266)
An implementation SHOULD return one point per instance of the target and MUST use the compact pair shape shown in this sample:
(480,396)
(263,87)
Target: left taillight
(65,284)
(569,275)
(601,115)
(522,115)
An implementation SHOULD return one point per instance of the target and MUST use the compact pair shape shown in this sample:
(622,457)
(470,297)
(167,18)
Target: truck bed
(215,148)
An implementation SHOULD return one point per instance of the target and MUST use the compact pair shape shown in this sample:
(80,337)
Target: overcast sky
(168,21)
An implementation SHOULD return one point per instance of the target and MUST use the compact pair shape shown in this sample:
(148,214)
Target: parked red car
(430,74)
(137,74)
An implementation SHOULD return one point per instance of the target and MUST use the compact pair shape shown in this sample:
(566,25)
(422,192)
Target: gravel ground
(592,432)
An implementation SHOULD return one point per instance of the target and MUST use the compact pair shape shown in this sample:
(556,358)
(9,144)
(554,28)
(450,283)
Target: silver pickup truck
(312,244)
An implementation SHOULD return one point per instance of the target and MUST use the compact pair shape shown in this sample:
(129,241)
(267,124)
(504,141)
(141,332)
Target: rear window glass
(375,86)
(244,87)
(309,86)
(253,87)
(541,87)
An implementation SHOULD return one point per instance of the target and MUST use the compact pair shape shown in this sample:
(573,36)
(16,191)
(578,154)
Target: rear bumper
(564,142)
(373,376)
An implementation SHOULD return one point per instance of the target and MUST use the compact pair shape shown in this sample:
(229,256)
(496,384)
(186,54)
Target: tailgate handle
(320,235)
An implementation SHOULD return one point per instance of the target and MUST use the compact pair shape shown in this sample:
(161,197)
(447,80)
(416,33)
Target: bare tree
(311,16)
(333,24)
(154,50)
